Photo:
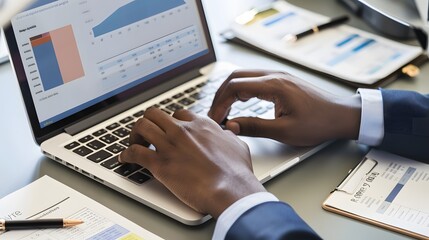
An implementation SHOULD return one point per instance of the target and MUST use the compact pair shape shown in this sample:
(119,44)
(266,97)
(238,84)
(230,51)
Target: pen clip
(355,176)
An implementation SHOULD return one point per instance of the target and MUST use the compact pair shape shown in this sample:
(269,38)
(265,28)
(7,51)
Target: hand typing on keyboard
(192,158)
(304,114)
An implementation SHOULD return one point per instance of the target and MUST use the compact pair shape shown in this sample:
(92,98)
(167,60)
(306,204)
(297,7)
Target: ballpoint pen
(290,38)
(6,225)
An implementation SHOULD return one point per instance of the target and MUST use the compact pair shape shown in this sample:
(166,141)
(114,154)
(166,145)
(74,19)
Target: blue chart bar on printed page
(347,40)
(392,195)
(40,3)
(352,52)
(278,18)
(133,12)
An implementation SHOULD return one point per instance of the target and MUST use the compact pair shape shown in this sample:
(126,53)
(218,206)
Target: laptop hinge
(129,103)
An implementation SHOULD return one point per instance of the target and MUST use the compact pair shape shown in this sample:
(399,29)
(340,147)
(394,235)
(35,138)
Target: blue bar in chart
(278,18)
(352,52)
(40,3)
(47,62)
(347,40)
(395,191)
(133,12)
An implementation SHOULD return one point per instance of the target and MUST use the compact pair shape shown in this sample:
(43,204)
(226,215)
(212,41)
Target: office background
(305,186)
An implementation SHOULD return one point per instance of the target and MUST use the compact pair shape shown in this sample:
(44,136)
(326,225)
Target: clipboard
(347,198)
(408,67)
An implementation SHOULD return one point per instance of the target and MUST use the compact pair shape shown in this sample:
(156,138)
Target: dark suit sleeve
(406,124)
(270,220)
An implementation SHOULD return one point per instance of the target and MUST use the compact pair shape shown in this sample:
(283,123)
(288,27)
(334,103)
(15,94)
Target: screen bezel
(41,134)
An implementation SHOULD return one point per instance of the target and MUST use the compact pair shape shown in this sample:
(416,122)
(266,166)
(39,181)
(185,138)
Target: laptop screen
(76,54)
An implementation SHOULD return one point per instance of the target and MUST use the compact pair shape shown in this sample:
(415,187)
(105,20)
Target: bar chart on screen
(57,57)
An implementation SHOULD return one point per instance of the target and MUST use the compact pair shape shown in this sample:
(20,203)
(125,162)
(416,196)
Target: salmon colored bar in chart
(67,53)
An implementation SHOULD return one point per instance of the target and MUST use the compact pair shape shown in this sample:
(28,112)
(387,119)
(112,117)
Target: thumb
(253,127)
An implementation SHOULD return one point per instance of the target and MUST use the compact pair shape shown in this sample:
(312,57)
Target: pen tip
(289,38)
(72,222)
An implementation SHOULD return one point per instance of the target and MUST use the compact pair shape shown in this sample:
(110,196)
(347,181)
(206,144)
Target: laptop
(87,73)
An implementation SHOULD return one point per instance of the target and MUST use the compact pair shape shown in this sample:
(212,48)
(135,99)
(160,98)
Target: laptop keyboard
(104,145)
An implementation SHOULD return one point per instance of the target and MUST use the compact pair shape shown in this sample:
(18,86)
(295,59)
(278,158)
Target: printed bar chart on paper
(391,193)
(133,12)
(57,57)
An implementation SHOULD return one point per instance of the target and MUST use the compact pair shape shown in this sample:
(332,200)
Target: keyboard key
(198,95)
(138,114)
(209,90)
(255,108)
(186,101)
(197,108)
(121,132)
(127,169)
(234,112)
(247,104)
(99,156)
(131,125)
(261,111)
(83,151)
(166,111)
(201,84)
(111,163)
(174,107)
(166,101)
(147,172)
(96,145)
(99,132)
(179,95)
(206,103)
(72,145)
(126,120)
(139,177)
(86,139)
(109,138)
(113,126)
(115,148)
(189,90)
(125,142)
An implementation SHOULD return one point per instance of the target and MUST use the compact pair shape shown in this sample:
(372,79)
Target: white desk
(304,187)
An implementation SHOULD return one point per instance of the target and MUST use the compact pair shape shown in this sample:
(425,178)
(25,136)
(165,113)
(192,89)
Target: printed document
(342,51)
(48,198)
(388,191)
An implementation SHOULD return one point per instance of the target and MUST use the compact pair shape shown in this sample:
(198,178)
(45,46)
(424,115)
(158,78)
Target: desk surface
(22,161)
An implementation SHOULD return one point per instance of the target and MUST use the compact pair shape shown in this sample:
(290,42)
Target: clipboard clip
(356,175)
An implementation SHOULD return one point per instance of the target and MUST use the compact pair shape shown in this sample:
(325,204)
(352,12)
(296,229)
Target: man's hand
(205,166)
(304,115)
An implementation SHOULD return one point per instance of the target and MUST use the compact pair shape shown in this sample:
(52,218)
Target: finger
(240,89)
(254,127)
(145,132)
(140,155)
(247,73)
(160,118)
(185,115)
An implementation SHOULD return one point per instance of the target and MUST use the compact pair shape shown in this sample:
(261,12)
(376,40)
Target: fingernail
(119,159)
(233,127)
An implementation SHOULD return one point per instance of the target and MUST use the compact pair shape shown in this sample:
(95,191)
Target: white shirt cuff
(372,119)
(233,212)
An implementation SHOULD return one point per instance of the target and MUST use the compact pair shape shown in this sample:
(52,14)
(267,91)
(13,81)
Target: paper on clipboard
(388,191)
(344,52)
